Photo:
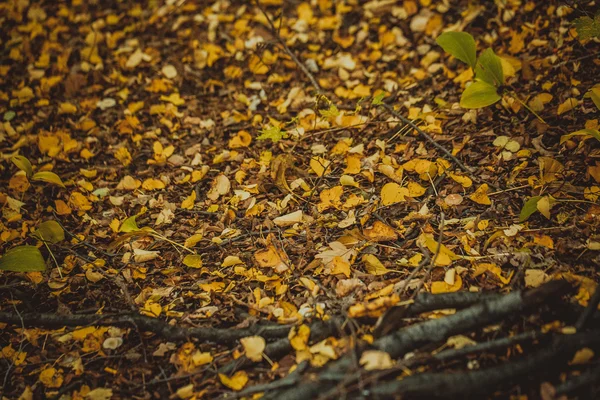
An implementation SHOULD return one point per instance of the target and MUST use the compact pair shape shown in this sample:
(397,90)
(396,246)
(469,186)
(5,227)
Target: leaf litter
(251,166)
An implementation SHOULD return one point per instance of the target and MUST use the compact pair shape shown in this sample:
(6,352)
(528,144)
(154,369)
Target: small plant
(489,76)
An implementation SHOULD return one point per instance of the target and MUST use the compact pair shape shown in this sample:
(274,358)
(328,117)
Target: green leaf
(583,132)
(23,164)
(274,133)
(378,100)
(47,176)
(587,27)
(129,225)
(50,231)
(529,208)
(460,44)
(489,68)
(23,259)
(479,94)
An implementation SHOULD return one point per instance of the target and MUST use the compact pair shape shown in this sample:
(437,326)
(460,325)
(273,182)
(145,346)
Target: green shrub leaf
(460,44)
(489,68)
(23,164)
(23,259)
(479,94)
(529,208)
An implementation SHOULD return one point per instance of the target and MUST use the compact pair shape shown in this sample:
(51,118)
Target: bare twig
(274,32)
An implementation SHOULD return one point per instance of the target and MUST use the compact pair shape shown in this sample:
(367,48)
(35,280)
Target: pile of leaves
(299,199)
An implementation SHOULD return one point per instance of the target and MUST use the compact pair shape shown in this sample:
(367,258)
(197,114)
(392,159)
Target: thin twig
(294,58)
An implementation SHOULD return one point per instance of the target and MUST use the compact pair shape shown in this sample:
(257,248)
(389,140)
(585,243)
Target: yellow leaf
(352,164)
(480,196)
(392,193)
(236,382)
(67,108)
(380,232)
(254,347)
(80,202)
(373,266)
(464,181)
(567,105)
(174,99)
(201,358)
(330,198)
(320,166)
(153,184)
(545,204)
(123,155)
(193,261)
(299,336)
(257,66)
(415,190)
(129,183)
(445,255)
(242,139)
(51,378)
(189,202)
(444,287)
(375,359)
(340,266)
(549,169)
(193,240)
(272,258)
(61,207)
(151,309)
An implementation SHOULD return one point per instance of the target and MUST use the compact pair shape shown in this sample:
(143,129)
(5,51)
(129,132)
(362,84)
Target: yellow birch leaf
(52,378)
(153,184)
(480,195)
(340,266)
(254,347)
(201,358)
(320,166)
(189,201)
(299,336)
(373,266)
(392,193)
(415,190)
(464,181)
(380,232)
(443,287)
(567,106)
(236,382)
(445,255)
(193,261)
(242,139)
(80,202)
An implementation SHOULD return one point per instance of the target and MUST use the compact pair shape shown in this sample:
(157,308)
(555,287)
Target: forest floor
(220,199)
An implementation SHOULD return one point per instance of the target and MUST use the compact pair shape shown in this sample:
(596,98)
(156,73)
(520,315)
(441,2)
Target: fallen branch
(432,331)
(465,384)
(143,323)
